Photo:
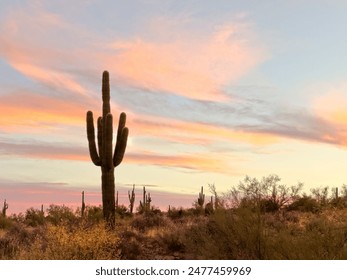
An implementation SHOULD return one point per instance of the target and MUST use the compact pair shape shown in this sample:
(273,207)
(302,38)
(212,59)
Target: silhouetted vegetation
(256,219)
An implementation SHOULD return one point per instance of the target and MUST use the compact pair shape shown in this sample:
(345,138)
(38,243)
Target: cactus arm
(91,140)
(121,126)
(122,137)
(119,154)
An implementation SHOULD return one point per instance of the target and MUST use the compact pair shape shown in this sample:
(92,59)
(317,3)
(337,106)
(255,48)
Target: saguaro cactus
(117,200)
(201,199)
(4,208)
(131,199)
(102,155)
(145,204)
(83,207)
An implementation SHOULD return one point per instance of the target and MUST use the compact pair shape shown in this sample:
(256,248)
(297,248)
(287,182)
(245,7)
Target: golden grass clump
(75,243)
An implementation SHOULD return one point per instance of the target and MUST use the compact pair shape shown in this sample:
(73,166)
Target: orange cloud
(27,109)
(50,77)
(198,162)
(332,108)
(198,67)
(196,64)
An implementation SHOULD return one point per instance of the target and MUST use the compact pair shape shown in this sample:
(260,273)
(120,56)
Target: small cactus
(42,212)
(145,204)
(148,202)
(201,198)
(83,208)
(117,200)
(131,199)
(4,208)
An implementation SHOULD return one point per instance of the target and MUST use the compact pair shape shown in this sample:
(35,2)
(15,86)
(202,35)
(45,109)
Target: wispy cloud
(330,105)
(43,150)
(27,109)
(197,66)
(199,162)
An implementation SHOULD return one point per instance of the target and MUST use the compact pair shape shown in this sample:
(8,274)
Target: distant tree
(321,195)
(58,214)
(34,217)
(267,194)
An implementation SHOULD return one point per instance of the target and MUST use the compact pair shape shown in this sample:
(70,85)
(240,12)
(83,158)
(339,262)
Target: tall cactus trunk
(102,154)
(108,194)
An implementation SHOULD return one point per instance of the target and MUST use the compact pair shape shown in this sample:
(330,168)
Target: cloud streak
(190,65)
(57,151)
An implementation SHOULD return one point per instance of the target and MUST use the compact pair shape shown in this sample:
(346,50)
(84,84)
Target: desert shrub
(266,193)
(147,221)
(16,239)
(304,204)
(176,213)
(268,205)
(60,214)
(338,203)
(94,214)
(228,234)
(83,242)
(34,217)
(19,218)
(130,245)
(122,211)
(319,239)
(172,238)
(5,222)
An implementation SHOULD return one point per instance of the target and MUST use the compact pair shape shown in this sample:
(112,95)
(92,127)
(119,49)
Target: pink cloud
(330,106)
(195,66)
(28,109)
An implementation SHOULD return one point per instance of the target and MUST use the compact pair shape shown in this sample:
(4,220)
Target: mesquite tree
(102,155)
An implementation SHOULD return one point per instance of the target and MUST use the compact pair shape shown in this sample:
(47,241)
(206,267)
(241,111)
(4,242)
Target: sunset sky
(213,91)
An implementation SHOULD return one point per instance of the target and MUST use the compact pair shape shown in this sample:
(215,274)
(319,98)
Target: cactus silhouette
(4,208)
(131,199)
(201,199)
(117,200)
(102,155)
(83,207)
(145,204)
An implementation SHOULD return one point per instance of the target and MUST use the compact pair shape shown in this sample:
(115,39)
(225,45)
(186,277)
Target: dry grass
(226,234)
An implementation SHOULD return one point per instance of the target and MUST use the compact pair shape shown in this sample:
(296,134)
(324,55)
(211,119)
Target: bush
(75,243)
(94,214)
(34,217)
(5,222)
(304,204)
(147,221)
(130,245)
(122,211)
(60,214)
